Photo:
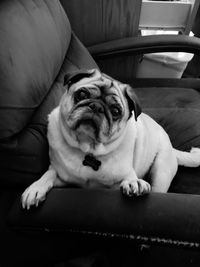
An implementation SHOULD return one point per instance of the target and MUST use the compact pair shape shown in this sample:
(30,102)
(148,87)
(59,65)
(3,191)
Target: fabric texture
(177,110)
(34,39)
(36,50)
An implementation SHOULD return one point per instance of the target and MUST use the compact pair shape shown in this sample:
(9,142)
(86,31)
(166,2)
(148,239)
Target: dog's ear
(75,76)
(133,101)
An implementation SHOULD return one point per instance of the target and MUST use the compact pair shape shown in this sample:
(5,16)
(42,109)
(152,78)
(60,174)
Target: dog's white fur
(142,147)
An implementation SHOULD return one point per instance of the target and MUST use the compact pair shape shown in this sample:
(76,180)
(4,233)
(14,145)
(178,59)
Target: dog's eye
(81,95)
(116,112)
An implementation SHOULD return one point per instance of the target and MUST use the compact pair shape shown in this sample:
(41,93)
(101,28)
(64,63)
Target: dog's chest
(80,169)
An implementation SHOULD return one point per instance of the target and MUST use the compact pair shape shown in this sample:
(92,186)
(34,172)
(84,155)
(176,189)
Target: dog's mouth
(92,124)
(91,120)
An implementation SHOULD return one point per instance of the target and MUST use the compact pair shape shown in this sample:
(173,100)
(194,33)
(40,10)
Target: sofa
(88,227)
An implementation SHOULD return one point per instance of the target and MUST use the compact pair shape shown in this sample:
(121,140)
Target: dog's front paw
(136,187)
(33,195)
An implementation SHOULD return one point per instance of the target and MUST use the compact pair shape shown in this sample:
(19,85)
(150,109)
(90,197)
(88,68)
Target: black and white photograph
(99,133)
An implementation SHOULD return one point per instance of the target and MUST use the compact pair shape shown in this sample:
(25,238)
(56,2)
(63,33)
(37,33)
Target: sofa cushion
(34,39)
(177,110)
(24,156)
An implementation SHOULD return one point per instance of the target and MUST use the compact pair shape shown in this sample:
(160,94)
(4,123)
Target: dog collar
(92,162)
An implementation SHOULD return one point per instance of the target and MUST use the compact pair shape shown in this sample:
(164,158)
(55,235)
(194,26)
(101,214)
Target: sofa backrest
(37,48)
(34,38)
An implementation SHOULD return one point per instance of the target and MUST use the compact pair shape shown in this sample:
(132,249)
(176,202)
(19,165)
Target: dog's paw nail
(135,188)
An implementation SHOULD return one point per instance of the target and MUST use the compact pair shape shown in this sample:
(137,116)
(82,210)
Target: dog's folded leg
(163,171)
(132,186)
(37,191)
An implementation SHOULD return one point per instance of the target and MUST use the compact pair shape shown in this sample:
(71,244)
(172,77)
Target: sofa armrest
(146,44)
(164,219)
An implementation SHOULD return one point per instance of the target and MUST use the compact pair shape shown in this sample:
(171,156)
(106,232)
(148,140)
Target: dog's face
(95,108)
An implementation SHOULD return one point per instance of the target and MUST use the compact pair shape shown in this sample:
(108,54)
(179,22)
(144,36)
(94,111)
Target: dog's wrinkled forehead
(89,77)
(75,76)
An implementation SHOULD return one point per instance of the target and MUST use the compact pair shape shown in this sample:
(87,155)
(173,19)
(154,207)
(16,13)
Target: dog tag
(92,162)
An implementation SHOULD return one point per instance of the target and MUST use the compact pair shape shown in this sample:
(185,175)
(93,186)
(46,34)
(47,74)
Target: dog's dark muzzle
(94,115)
(101,109)
(97,107)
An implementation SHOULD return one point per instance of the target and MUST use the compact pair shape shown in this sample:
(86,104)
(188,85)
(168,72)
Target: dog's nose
(96,107)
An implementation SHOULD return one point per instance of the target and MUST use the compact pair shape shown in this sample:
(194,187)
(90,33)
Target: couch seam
(67,58)
(143,239)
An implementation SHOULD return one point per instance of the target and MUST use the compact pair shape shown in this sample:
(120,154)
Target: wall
(96,21)
(193,68)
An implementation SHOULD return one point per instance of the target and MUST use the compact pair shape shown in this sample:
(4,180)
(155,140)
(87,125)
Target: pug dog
(98,136)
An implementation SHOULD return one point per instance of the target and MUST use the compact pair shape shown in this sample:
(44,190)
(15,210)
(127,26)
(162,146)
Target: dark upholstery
(33,49)
(37,48)
(177,110)
(33,45)
(105,218)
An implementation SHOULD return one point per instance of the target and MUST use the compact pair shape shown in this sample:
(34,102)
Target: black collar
(92,162)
